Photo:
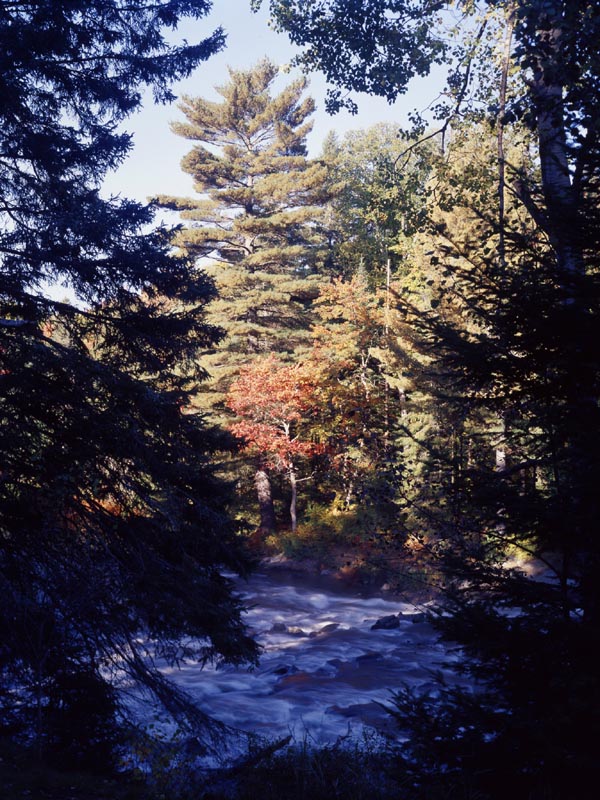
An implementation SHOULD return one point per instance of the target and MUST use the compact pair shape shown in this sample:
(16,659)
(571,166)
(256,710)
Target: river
(324,671)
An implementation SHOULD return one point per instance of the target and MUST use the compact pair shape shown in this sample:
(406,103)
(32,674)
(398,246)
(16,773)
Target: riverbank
(348,573)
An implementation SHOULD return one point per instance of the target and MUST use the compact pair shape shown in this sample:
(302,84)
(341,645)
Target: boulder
(366,657)
(331,626)
(386,623)
(278,627)
(295,631)
(285,669)
(415,618)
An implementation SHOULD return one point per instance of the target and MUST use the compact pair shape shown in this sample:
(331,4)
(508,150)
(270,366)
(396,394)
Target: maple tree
(274,401)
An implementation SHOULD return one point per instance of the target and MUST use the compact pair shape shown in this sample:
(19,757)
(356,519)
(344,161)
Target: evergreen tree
(258,220)
(111,522)
(499,500)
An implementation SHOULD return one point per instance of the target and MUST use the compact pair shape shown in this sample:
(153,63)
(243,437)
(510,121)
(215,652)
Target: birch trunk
(561,200)
(265,502)
(294,488)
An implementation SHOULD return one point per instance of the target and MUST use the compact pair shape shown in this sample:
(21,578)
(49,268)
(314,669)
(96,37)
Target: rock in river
(386,623)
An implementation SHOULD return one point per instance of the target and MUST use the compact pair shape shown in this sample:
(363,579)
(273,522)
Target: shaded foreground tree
(501,502)
(111,523)
(518,374)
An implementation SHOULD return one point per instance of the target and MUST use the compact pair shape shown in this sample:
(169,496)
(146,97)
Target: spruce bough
(111,522)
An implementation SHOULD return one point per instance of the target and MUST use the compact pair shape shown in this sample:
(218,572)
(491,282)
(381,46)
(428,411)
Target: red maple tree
(274,401)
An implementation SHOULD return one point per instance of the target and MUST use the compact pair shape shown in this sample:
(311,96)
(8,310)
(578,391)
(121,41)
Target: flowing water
(323,671)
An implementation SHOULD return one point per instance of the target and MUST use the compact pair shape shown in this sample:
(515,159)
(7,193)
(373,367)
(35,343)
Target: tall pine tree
(258,221)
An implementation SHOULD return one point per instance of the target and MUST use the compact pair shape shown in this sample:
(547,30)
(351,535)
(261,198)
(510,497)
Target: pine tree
(499,501)
(258,221)
(111,523)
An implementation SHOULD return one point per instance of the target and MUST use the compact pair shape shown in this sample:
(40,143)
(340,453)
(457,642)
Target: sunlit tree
(275,402)
(256,222)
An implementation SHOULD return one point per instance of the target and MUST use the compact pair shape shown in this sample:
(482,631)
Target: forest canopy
(502,353)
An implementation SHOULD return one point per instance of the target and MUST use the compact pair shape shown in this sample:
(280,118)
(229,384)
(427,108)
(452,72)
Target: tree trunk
(265,502)
(562,202)
(566,211)
(292,478)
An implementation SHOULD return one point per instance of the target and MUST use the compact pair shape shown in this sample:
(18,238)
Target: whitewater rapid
(324,672)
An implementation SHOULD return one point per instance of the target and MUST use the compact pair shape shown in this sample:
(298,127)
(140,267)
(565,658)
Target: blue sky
(153,166)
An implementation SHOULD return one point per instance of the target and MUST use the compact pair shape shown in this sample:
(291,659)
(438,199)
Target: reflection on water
(323,670)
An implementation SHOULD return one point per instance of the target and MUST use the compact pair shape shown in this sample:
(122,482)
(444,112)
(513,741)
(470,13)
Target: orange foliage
(273,400)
